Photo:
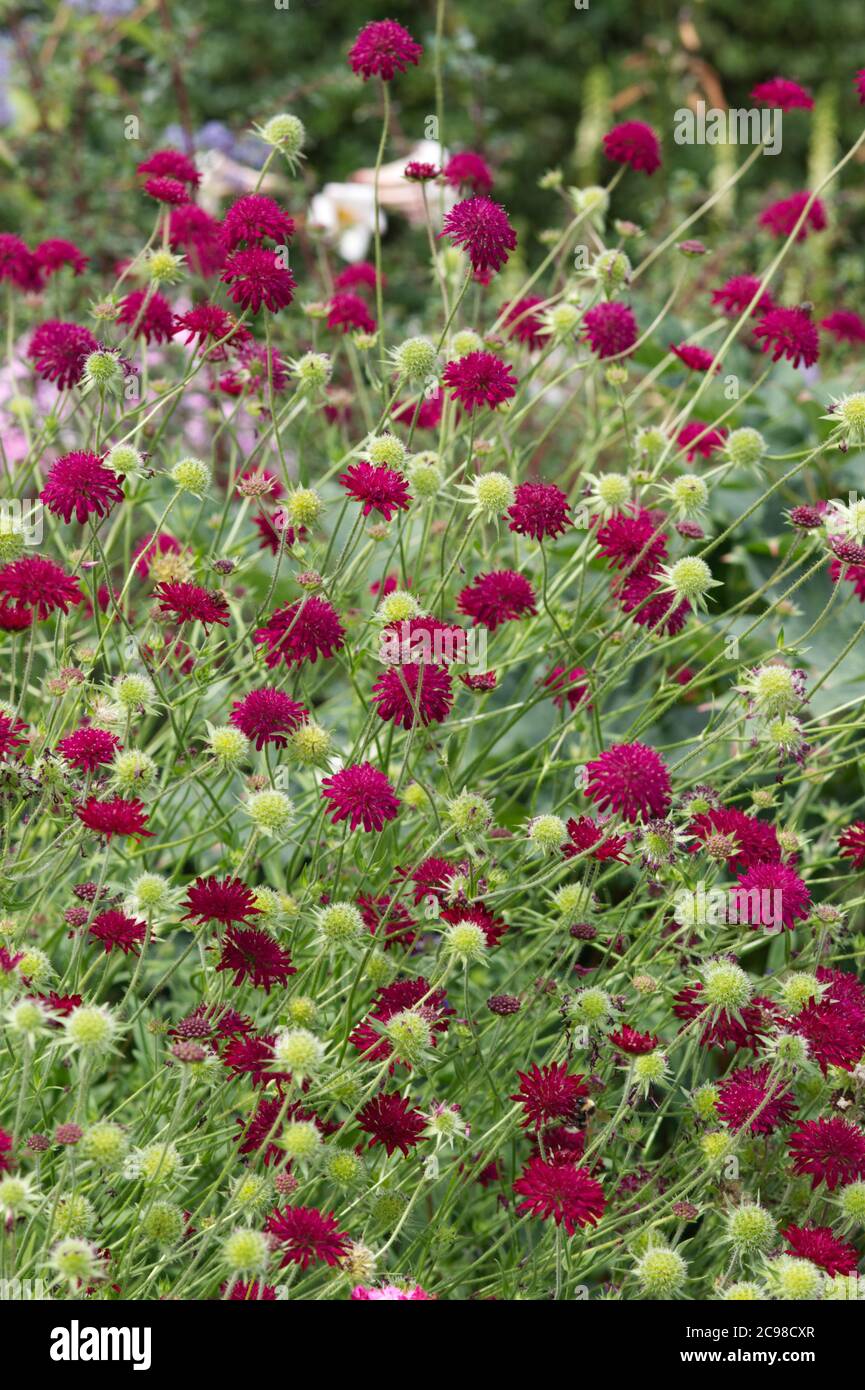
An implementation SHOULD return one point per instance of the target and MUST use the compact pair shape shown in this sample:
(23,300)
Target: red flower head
(87,748)
(393,923)
(570,1195)
(301,631)
(549,1093)
(225,900)
(611,329)
(362,795)
(568,685)
(382,49)
(53,254)
(746,1030)
(634,143)
(114,817)
(190,604)
(523,323)
(481,228)
(418,171)
(254,218)
(59,351)
(851,844)
(40,585)
(13,619)
(169,163)
(403,694)
(266,716)
(845,326)
(834,1024)
(585,834)
(635,1044)
(257,277)
(479,379)
(781,92)
(745,1092)
(116,930)
(469,170)
(152,318)
(771,896)
(632,780)
(378,487)
(249,1293)
(754,842)
(391,1121)
(11,730)
(165,190)
(652,606)
(347,311)
(79,483)
(255,956)
(830,1151)
(696,359)
(633,541)
(780,218)
(430,878)
(819,1245)
(361,275)
(498,597)
(698,438)
(789,333)
(539,510)
(736,294)
(305,1235)
(18,265)
(199,236)
(210,321)
(147,549)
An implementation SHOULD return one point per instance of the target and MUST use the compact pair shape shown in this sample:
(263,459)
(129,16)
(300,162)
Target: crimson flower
(189,603)
(830,1151)
(198,235)
(255,277)
(114,817)
(822,1247)
(362,273)
(632,780)
(789,333)
(347,312)
(40,585)
(570,686)
(378,487)
(851,844)
(115,929)
(79,484)
(361,795)
(736,294)
(403,694)
(481,228)
(391,1121)
(698,438)
(301,631)
(747,1029)
(845,326)
(59,351)
(224,900)
(549,1093)
(634,143)
(253,218)
(538,510)
(166,190)
(266,716)
(11,730)
(53,254)
(18,265)
(306,1236)
(382,49)
(834,1024)
(523,324)
(87,748)
(746,1091)
(696,359)
(147,550)
(151,317)
(169,163)
(498,597)
(492,927)
(469,170)
(570,1195)
(771,896)
(751,840)
(479,379)
(633,541)
(781,92)
(210,321)
(635,1044)
(585,834)
(610,329)
(780,218)
(256,956)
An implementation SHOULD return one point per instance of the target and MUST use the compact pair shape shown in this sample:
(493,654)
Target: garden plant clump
(433,822)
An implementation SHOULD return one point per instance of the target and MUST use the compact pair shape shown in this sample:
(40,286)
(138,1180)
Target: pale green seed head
(245,1251)
(750,1228)
(340,925)
(133,772)
(309,744)
(303,507)
(415,359)
(492,494)
(104,1144)
(285,132)
(191,475)
(386,450)
(424,475)
(271,812)
(661,1272)
(548,833)
(228,745)
(134,692)
(793,1280)
(726,986)
(745,447)
(91,1028)
(300,1052)
(313,371)
(124,460)
(163,1223)
(465,942)
(469,813)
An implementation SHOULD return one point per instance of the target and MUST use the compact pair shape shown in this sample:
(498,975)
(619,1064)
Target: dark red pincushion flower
(255,277)
(634,143)
(190,604)
(212,1022)
(115,930)
(253,218)
(743,1093)
(851,574)
(87,748)
(632,780)
(568,685)
(584,834)
(226,900)
(781,92)
(152,317)
(548,1093)
(171,164)
(166,190)
(18,265)
(301,631)
(40,585)
(498,597)
(11,730)
(481,228)
(425,414)
(147,549)
(194,232)
(633,541)
(7,1143)
(755,842)
(851,844)
(392,1121)
(697,437)
(114,817)
(789,333)
(362,273)
(653,606)
(524,324)
(362,795)
(267,715)
(426,638)
(418,171)
(610,329)
(422,691)
(393,922)
(378,487)
(430,878)
(253,1057)
(13,619)
(822,1247)
(59,351)
(570,1195)
(845,326)
(492,927)
(834,1024)
(210,321)
(748,1029)
(737,293)
(53,254)
(771,895)
(382,49)
(307,1236)
(469,170)
(696,359)
(263,1127)
(780,218)
(635,1044)
(538,510)
(256,956)
(80,484)
(348,312)
(249,1293)
(479,379)
(830,1151)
